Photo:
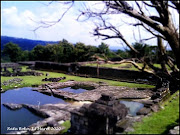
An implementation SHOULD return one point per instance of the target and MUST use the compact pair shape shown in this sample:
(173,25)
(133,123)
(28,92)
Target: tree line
(67,52)
(58,52)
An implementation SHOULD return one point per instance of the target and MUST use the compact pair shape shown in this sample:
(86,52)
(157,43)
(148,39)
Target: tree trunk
(173,41)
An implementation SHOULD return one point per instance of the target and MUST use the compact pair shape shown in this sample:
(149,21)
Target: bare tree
(161,26)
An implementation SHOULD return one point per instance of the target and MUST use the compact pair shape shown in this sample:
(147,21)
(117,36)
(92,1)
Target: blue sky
(18,19)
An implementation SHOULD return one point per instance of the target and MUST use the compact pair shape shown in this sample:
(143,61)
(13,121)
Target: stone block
(144,111)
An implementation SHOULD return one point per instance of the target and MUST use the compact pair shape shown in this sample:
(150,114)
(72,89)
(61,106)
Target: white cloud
(68,28)
(8,11)
(12,18)
(9,16)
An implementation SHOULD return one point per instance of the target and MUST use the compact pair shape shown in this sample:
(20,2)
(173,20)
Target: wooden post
(97,68)
(107,125)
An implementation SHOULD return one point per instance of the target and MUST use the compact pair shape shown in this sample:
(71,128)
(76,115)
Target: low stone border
(12,81)
(54,79)
(34,73)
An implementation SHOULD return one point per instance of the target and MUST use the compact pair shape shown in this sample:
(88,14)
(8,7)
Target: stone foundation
(99,117)
(92,95)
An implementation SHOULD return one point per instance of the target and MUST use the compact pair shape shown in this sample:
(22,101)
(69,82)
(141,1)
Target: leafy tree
(13,51)
(80,52)
(39,53)
(56,53)
(67,51)
(25,55)
(90,51)
(103,49)
(122,54)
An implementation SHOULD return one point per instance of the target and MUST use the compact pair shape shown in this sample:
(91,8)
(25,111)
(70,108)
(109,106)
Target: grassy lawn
(67,125)
(126,66)
(162,121)
(28,81)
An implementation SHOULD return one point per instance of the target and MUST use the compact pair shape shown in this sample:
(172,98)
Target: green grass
(28,81)
(67,125)
(162,121)
(117,66)
(24,68)
(126,66)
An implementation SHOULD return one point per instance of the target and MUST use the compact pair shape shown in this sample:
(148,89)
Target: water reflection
(22,117)
(19,118)
(134,107)
(70,89)
(27,96)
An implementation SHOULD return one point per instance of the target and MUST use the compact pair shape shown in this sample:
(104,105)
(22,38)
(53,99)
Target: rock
(107,97)
(176,128)
(154,107)
(122,124)
(12,81)
(162,107)
(60,122)
(52,123)
(147,103)
(56,114)
(13,106)
(36,110)
(174,131)
(2,90)
(129,129)
(157,100)
(156,95)
(54,79)
(144,111)
(22,73)
(133,119)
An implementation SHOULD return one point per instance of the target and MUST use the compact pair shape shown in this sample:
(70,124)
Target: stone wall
(104,72)
(9,65)
(53,66)
(27,63)
(111,73)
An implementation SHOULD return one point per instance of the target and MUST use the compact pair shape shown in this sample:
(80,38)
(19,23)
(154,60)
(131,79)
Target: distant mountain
(25,44)
(28,44)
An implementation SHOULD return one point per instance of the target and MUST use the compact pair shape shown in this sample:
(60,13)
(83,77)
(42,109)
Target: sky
(20,18)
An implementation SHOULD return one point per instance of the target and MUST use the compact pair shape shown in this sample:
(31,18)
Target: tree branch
(47,24)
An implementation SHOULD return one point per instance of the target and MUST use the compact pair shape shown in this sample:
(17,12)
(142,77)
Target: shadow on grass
(171,126)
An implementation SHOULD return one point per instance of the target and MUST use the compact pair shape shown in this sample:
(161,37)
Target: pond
(134,107)
(19,118)
(77,89)
(22,117)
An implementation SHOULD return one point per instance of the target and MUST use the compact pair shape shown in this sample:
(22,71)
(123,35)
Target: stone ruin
(54,79)
(99,117)
(16,70)
(27,73)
